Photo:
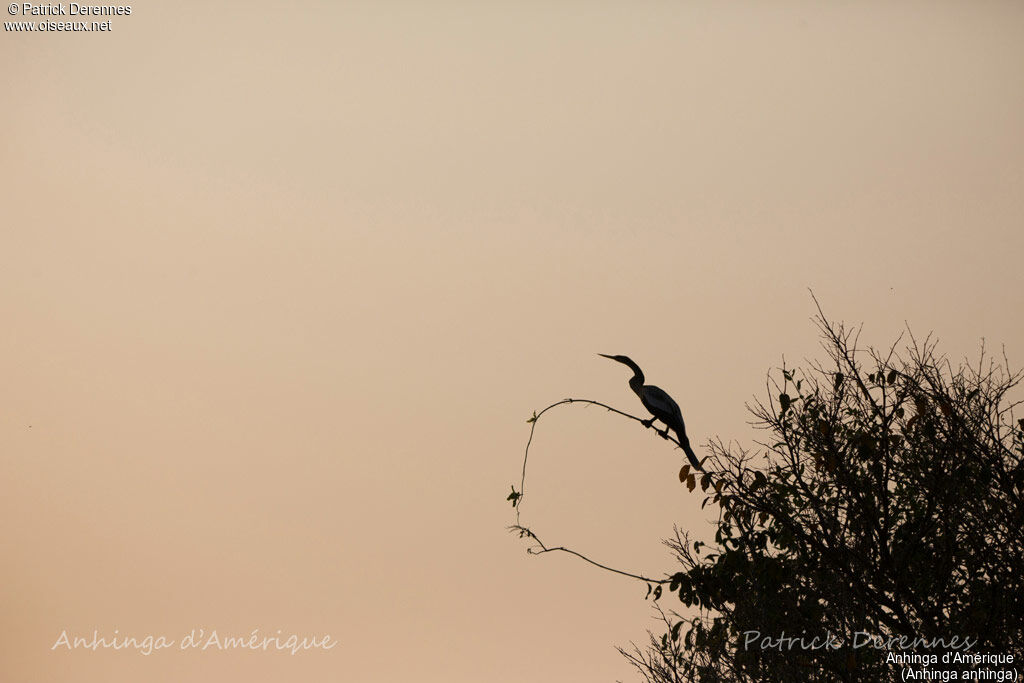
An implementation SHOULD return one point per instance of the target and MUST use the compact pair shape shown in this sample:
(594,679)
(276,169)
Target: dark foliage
(885,503)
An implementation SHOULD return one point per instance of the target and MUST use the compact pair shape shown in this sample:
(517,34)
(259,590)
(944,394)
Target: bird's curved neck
(636,382)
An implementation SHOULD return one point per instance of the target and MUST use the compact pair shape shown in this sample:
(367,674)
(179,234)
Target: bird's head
(638,374)
(625,360)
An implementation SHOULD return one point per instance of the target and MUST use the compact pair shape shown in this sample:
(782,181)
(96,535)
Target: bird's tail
(685,443)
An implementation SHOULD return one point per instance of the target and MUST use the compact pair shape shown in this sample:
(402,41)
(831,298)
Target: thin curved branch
(586,401)
(523,531)
(517,496)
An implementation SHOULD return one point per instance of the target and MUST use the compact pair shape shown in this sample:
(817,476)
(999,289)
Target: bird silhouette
(660,405)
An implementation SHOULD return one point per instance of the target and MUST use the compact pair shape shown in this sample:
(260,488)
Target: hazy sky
(279,287)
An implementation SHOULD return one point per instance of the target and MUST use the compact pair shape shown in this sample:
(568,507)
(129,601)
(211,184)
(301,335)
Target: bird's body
(660,405)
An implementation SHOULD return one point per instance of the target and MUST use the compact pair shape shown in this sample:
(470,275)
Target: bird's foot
(648,423)
(662,433)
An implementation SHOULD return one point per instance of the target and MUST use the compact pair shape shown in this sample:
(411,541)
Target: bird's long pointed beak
(605,355)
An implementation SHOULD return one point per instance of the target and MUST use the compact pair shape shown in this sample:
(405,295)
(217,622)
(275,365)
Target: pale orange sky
(280,286)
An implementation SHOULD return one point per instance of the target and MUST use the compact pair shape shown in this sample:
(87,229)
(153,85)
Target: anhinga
(660,405)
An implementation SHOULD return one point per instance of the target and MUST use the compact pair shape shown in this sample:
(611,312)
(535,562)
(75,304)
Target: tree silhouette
(878,525)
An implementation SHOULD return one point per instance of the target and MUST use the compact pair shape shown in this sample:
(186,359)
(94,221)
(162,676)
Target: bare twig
(517,496)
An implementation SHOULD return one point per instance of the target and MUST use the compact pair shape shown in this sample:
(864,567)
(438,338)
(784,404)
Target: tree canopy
(878,524)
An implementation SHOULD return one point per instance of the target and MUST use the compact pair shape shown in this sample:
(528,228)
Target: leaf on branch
(683,472)
(784,402)
(657,592)
(691,482)
(838,380)
(514,496)
(532,419)
(892,377)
